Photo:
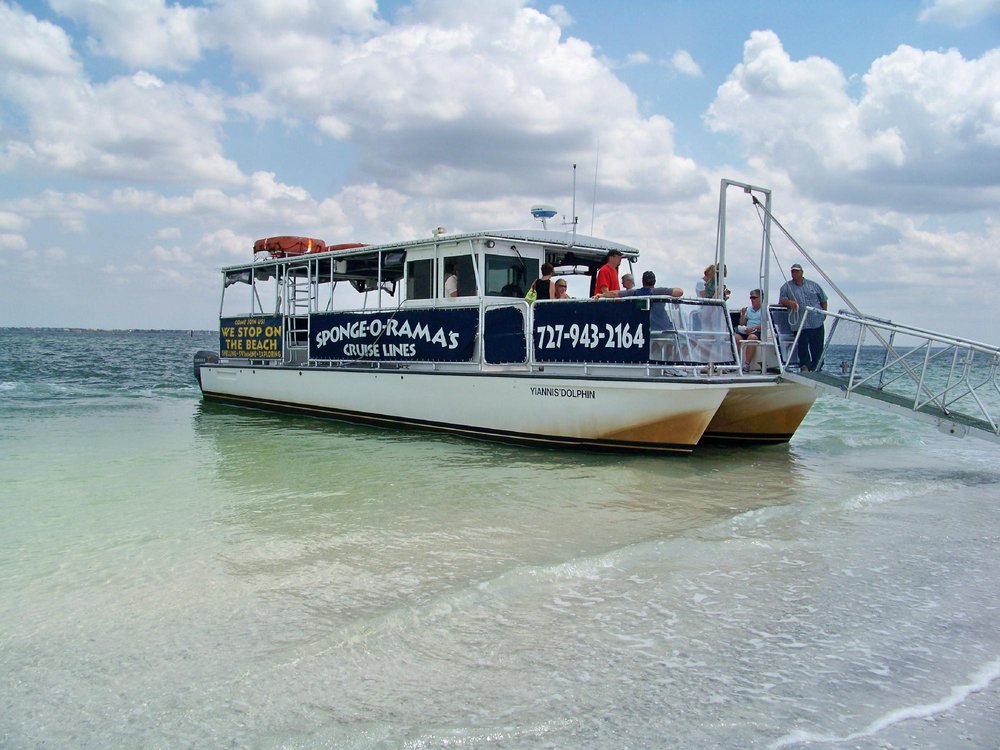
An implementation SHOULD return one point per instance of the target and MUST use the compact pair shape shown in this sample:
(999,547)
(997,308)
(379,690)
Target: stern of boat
(203,357)
(768,411)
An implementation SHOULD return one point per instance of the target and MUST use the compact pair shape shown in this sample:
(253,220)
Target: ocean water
(181,575)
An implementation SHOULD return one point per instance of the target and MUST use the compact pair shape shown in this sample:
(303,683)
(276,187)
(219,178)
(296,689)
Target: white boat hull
(761,412)
(590,412)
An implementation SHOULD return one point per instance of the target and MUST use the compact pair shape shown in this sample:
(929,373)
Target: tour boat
(366,333)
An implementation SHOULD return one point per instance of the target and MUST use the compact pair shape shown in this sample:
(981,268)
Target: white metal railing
(690,336)
(935,374)
(684,332)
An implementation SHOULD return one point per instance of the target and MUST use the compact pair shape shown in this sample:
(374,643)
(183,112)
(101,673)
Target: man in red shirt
(607,275)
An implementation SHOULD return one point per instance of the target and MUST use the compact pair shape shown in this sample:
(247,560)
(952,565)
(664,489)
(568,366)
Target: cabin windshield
(509,276)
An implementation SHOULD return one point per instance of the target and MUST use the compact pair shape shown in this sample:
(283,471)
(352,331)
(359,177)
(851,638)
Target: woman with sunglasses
(749,327)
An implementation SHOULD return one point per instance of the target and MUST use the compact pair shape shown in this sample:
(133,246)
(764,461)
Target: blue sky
(143,144)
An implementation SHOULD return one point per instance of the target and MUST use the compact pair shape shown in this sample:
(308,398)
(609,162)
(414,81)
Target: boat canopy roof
(559,239)
(581,245)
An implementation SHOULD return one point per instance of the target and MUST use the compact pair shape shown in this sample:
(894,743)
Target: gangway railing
(948,381)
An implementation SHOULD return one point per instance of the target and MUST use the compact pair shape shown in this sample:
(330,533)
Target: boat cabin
(458,301)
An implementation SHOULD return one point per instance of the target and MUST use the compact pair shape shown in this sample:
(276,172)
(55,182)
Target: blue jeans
(810,347)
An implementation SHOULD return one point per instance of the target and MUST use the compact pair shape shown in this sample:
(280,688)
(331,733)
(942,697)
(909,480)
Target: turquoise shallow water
(174,574)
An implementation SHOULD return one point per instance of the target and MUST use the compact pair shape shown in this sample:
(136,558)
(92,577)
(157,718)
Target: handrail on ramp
(951,382)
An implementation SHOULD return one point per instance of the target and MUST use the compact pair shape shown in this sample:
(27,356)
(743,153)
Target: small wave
(977,683)
(834,422)
(481,736)
(873,497)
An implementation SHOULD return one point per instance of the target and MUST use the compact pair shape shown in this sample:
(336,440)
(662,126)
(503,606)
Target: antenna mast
(593,205)
(575,219)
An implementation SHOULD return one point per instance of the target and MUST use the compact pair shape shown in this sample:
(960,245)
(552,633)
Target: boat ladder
(947,381)
(299,298)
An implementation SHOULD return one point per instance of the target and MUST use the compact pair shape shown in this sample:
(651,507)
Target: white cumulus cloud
(12,241)
(682,62)
(456,94)
(33,47)
(134,127)
(141,33)
(959,13)
(924,130)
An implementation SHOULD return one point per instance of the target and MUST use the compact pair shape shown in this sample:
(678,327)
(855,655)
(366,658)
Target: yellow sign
(250,338)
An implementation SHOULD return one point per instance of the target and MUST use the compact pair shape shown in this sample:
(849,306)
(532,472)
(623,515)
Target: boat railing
(682,332)
(690,336)
(954,381)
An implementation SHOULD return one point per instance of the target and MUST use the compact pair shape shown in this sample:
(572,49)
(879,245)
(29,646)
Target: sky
(145,144)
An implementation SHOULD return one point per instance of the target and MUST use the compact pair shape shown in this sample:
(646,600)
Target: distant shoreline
(78,329)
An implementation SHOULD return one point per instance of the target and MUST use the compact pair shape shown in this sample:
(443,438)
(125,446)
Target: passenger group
(796,294)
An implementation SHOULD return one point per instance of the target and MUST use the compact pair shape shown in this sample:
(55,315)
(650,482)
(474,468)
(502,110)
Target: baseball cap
(796,267)
(614,252)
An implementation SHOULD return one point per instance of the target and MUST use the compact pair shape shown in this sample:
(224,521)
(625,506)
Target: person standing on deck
(607,275)
(451,280)
(797,295)
(706,284)
(702,283)
(543,285)
(628,282)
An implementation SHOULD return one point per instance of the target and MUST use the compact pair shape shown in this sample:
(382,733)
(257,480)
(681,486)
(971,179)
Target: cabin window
(508,276)
(420,279)
(463,266)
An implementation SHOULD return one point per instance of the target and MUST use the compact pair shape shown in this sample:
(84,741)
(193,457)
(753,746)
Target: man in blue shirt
(659,320)
(797,295)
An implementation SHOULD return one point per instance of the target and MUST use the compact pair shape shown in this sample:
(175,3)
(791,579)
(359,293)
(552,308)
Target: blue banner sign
(587,331)
(442,335)
(250,338)
(504,339)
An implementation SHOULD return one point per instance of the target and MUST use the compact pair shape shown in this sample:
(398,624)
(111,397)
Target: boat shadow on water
(239,426)
(336,466)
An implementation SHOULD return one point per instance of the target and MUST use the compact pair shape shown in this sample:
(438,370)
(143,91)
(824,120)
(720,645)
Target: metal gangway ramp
(949,382)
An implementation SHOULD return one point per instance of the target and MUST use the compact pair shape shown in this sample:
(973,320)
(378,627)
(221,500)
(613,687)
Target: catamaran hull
(763,412)
(558,411)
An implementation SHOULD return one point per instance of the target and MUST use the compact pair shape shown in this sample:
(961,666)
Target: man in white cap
(797,295)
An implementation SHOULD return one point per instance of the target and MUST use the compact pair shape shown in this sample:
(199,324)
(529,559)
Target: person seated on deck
(628,282)
(749,327)
(543,286)
(659,320)
(562,289)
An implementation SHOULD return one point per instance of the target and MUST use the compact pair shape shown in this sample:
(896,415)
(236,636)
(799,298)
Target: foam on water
(979,681)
